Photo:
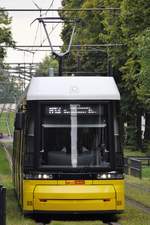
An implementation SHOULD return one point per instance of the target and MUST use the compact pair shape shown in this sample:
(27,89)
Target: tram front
(77,161)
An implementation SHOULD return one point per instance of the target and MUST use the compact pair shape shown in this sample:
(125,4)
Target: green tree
(134,22)
(6,40)
(5,34)
(47,63)
(143,52)
(127,26)
(88,28)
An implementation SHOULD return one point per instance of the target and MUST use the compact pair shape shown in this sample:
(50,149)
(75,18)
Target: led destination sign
(72,110)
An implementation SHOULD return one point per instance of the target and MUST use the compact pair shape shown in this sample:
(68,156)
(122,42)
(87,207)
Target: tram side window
(29,142)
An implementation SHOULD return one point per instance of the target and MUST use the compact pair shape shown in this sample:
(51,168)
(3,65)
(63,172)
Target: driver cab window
(75,135)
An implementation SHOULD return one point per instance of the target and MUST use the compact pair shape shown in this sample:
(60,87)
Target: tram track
(109,223)
(113,223)
(77,219)
(138,205)
(41,224)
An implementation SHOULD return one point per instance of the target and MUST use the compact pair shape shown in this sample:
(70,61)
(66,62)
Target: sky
(26,34)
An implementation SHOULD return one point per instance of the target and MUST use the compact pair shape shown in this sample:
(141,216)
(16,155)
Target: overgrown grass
(146,172)
(133,152)
(13,213)
(130,152)
(14,216)
(3,126)
(134,216)
(138,189)
(143,183)
(4,165)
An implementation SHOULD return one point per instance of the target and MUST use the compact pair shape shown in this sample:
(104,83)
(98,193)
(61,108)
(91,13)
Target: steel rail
(113,223)
(41,224)
(108,222)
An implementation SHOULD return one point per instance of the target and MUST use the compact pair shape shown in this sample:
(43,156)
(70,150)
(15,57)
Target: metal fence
(133,165)
(2,205)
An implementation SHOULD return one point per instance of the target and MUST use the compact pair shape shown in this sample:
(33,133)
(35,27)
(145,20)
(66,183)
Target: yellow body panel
(74,192)
(75,205)
(97,195)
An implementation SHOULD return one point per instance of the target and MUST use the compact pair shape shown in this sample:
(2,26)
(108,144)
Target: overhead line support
(60,10)
(60,46)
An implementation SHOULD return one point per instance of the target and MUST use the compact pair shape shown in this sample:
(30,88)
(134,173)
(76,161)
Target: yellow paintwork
(53,195)
(75,205)
(74,192)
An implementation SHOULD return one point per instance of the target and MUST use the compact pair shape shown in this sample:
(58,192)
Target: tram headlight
(45,176)
(104,176)
(37,176)
(110,175)
(40,176)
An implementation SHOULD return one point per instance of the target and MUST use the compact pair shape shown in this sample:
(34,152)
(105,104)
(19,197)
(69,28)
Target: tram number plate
(74,182)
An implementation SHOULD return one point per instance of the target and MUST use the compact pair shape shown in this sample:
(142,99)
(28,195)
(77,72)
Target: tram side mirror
(19,120)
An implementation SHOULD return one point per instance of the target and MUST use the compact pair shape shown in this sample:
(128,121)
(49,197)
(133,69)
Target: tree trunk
(139,131)
(131,131)
(147,127)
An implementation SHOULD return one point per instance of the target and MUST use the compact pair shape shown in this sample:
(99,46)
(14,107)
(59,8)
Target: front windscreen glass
(74,135)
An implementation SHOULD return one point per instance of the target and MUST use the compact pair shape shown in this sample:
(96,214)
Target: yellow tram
(67,155)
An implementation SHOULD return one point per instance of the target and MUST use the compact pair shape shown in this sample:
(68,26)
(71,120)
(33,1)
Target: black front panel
(70,137)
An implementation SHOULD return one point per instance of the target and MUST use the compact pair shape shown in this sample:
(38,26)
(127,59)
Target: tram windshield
(75,135)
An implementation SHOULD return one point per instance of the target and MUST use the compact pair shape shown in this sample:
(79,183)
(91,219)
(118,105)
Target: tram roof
(73,88)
